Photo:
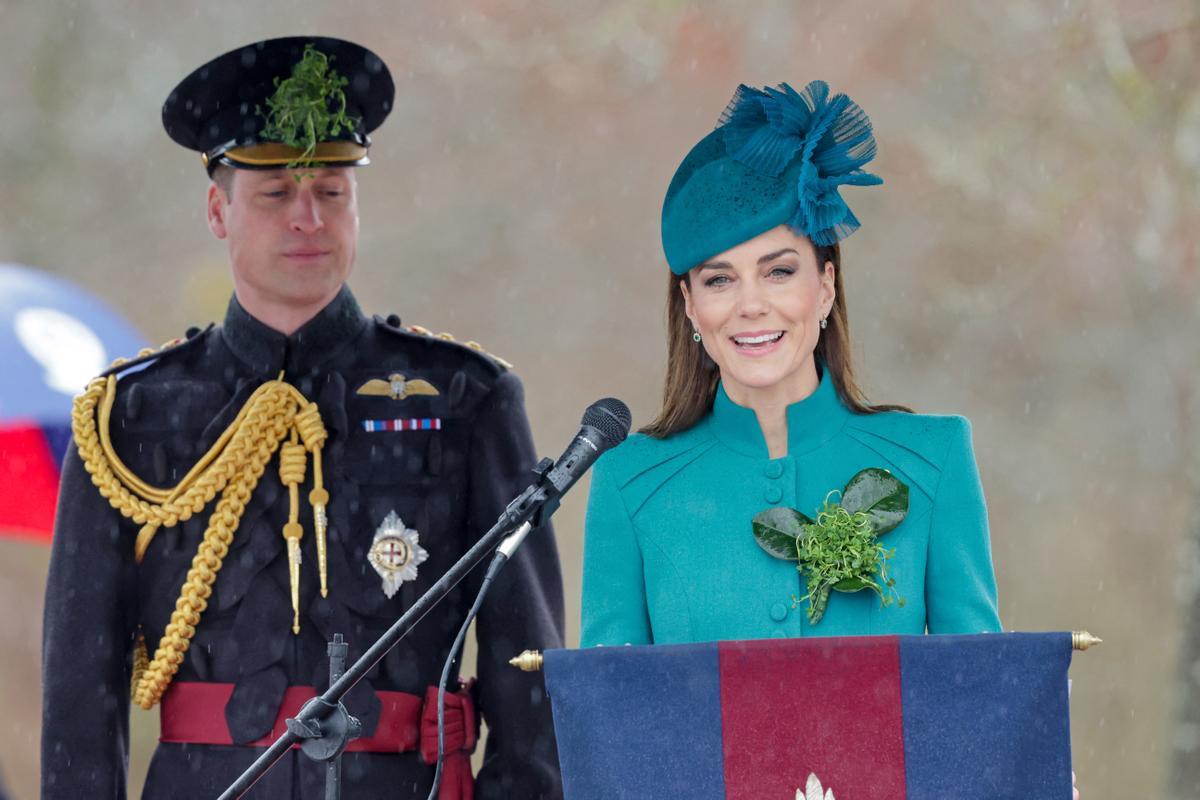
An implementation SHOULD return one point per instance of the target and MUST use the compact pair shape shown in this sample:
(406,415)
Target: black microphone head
(611,417)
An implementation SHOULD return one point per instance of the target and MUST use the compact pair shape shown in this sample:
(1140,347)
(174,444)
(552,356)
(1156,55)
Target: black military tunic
(448,484)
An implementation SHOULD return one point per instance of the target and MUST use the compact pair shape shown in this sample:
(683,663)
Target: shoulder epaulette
(176,345)
(392,323)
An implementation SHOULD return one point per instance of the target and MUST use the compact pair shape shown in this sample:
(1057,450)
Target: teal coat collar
(811,422)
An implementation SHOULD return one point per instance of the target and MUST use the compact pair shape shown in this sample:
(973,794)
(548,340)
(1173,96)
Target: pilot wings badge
(395,553)
(397,387)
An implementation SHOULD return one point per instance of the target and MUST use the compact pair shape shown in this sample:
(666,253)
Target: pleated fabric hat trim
(777,156)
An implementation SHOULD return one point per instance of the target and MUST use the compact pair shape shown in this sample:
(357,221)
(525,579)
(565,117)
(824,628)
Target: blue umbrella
(54,337)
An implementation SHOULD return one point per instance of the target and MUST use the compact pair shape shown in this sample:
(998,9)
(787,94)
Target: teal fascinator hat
(777,156)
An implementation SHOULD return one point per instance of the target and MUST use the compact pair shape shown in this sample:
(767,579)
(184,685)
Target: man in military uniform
(300,471)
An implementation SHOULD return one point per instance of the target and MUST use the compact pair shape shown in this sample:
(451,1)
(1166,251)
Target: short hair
(222,176)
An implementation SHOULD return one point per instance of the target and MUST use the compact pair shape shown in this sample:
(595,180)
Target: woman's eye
(277,193)
(781,272)
(717,280)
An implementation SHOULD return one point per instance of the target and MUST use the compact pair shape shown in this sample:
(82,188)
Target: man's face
(292,242)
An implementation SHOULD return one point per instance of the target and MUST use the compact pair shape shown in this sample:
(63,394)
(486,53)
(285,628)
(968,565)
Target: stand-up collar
(267,351)
(811,422)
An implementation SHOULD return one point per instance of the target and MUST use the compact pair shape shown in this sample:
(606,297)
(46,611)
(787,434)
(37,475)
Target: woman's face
(758,308)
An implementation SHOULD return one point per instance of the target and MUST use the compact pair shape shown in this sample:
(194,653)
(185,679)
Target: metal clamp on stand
(324,729)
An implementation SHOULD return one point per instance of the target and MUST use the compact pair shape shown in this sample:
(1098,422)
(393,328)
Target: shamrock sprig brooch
(840,550)
(308,107)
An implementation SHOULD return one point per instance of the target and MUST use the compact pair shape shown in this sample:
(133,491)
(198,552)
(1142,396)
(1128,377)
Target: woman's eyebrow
(777,254)
(763,260)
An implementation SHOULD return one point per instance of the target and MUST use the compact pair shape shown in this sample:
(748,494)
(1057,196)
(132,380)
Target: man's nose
(305,215)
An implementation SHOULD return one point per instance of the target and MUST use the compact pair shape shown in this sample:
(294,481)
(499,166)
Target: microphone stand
(323,727)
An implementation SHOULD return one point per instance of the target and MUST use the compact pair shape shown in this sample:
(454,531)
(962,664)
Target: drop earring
(695,336)
(824,323)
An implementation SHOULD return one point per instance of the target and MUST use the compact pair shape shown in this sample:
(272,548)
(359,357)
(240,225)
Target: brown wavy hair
(692,376)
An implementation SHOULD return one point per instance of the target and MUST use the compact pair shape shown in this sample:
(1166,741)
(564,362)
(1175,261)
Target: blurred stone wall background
(1031,263)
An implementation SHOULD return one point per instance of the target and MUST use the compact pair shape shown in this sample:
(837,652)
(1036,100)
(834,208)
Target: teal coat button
(773,494)
(774,469)
(779,612)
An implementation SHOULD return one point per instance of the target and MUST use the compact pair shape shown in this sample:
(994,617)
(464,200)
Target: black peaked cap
(212,110)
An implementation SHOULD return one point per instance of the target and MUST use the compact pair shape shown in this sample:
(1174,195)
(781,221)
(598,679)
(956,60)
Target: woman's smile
(757,343)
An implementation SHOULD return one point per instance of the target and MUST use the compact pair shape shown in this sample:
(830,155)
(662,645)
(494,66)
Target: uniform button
(774,469)
(779,635)
(779,612)
(773,494)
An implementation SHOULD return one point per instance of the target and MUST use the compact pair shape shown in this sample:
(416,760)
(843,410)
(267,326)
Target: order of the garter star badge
(395,553)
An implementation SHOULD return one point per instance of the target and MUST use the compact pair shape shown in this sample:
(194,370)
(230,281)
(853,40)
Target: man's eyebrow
(777,254)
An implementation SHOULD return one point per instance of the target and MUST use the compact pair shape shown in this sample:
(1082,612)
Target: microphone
(605,425)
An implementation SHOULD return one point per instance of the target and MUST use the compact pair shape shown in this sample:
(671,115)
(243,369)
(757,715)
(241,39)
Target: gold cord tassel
(291,472)
(318,498)
(141,660)
(292,532)
(312,432)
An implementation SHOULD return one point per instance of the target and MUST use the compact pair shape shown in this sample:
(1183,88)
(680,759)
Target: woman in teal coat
(761,411)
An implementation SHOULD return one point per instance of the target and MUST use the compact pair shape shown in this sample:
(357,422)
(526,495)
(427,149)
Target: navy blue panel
(57,439)
(986,716)
(638,722)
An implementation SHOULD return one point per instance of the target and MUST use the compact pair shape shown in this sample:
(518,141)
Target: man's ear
(217,201)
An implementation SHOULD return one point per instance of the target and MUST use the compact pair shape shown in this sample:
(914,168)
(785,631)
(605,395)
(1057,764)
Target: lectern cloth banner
(871,717)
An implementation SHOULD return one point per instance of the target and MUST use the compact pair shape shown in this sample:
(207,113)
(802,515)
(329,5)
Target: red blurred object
(29,472)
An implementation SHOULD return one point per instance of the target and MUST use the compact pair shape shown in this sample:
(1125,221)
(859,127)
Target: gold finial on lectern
(529,661)
(1082,640)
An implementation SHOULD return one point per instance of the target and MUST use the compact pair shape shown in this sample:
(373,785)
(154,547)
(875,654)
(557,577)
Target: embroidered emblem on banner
(812,791)
(414,424)
(397,387)
(395,553)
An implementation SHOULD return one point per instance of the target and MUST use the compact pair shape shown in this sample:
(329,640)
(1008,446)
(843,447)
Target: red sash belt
(194,713)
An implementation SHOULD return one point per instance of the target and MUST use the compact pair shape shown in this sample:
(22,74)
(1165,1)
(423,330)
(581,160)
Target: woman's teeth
(761,339)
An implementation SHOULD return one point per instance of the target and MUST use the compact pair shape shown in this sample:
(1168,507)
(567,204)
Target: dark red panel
(828,706)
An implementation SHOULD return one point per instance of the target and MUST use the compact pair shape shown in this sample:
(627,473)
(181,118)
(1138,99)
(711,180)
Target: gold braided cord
(232,467)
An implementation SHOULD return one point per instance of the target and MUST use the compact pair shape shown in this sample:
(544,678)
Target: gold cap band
(273,154)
